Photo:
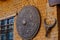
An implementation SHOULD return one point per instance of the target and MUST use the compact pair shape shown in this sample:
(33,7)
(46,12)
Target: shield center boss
(28,22)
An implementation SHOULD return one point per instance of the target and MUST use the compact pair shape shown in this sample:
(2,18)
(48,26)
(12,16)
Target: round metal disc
(28,22)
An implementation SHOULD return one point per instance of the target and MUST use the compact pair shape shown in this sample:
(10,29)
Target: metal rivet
(24,22)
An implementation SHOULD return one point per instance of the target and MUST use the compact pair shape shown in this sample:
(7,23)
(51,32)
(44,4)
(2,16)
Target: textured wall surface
(11,7)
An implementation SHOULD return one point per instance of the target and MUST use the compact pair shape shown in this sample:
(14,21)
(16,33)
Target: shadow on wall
(58,17)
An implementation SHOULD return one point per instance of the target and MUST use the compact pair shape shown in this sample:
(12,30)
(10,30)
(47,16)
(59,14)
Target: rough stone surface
(10,7)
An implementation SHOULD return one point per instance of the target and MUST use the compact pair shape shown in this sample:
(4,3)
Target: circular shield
(28,22)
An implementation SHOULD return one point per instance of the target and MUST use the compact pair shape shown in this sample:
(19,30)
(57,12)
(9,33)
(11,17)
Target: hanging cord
(48,11)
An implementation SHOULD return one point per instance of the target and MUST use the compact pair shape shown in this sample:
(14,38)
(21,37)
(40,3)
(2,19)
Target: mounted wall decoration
(28,22)
(49,27)
(54,2)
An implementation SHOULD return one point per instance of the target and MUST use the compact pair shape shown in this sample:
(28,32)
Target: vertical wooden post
(58,17)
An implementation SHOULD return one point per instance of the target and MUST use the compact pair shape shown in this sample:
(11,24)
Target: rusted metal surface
(54,2)
(28,22)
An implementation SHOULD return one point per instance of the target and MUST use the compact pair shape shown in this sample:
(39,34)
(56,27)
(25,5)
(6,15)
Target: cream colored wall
(11,7)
